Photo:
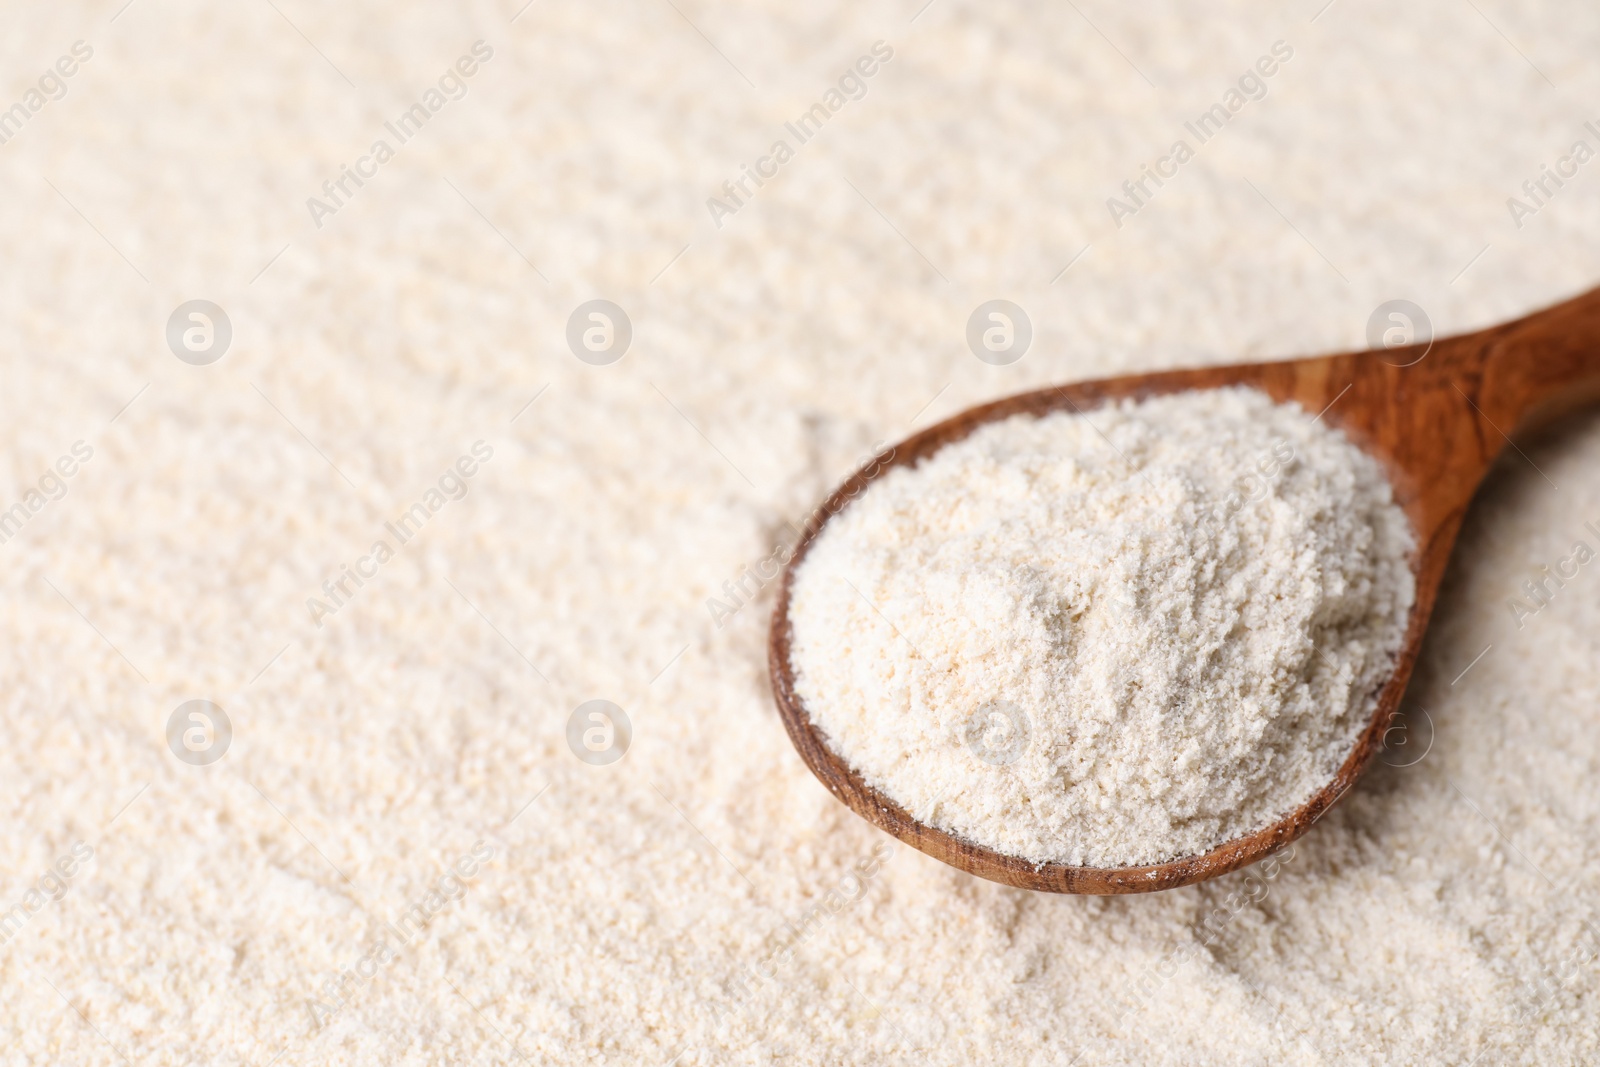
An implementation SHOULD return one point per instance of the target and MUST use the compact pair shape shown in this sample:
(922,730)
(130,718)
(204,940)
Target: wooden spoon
(1435,415)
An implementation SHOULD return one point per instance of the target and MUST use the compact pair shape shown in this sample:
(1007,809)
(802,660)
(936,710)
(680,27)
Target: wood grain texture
(1434,415)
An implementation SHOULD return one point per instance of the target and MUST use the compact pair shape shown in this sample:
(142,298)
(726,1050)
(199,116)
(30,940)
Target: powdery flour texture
(1109,639)
(703,900)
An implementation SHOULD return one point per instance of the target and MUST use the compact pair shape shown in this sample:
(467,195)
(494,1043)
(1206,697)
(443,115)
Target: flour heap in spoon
(1110,639)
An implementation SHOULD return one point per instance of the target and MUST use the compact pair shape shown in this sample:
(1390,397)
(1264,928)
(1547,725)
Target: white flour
(1108,651)
(701,902)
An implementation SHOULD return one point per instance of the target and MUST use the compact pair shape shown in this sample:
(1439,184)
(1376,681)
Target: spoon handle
(1536,369)
(1439,413)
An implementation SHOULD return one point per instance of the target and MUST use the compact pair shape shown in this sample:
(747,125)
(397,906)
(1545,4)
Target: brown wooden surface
(1435,416)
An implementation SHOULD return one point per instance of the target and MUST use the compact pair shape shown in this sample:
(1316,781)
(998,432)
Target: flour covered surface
(1113,638)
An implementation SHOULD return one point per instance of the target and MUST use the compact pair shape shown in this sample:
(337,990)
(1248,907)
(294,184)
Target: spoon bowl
(1434,415)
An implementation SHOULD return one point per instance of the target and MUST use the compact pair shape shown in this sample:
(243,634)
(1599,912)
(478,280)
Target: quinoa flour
(1111,650)
(702,901)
